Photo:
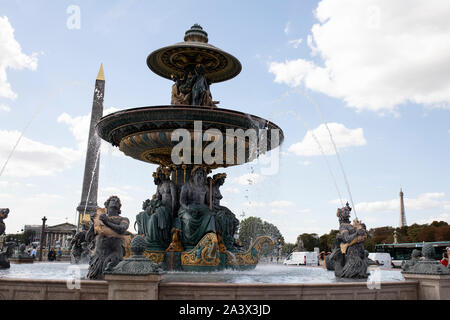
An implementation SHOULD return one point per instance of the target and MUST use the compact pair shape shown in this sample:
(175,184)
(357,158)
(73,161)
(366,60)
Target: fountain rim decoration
(172,60)
(106,134)
(145,133)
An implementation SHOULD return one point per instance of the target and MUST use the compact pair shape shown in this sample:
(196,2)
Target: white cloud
(342,137)
(422,202)
(443,217)
(11,57)
(295,43)
(249,179)
(281,204)
(277,206)
(305,163)
(376,55)
(79,126)
(106,192)
(232,190)
(4,108)
(32,158)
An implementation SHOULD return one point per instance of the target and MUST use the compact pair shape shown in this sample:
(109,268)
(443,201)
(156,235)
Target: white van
(302,258)
(382,258)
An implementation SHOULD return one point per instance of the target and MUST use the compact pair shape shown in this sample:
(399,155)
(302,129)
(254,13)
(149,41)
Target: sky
(374,73)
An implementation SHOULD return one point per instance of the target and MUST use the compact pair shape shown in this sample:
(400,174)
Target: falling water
(308,128)
(325,158)
(92,177)
(334,146)
(35,114)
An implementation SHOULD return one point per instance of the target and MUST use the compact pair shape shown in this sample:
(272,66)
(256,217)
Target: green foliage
(288,248)
(253,227)
(309,240)
(326,241)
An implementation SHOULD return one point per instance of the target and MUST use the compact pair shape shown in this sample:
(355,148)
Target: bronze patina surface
(173,60)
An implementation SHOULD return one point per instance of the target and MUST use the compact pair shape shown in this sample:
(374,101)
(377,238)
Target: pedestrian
(444,260)
(51,255)
(34,252)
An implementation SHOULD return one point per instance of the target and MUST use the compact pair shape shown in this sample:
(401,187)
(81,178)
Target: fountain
(184,225)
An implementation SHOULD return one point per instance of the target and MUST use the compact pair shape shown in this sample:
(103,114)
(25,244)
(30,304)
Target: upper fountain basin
(145,133)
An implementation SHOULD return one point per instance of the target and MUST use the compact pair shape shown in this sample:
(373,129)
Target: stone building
(60,234)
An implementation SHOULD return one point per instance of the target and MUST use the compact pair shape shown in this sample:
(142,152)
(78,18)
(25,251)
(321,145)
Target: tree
(288,248)
(413,232)
(438,224)
(309,240)
(253,227)
(443,233)
(427,234)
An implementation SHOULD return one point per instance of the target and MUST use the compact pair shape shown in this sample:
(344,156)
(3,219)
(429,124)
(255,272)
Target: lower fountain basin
(263,273)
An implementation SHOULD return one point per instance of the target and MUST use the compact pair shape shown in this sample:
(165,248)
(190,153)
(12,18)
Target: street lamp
(279,249)
(41,248)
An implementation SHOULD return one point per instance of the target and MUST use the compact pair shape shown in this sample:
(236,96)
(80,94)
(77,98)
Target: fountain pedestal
(135,278)
(133,287)
(431,286)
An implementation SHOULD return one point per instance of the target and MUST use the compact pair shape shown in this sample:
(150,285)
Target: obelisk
(88,203)
(402,211)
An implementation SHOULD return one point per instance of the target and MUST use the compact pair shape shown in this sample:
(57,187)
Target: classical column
(88,204)
(42,240)
(402,210)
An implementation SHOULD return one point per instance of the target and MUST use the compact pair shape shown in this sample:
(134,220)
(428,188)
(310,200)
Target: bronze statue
(195,219)
(79,251)
(348,258)
(192,88)
(226,222)
(3,215)
(415,257)
(5,253)
(155,222)
(109,231)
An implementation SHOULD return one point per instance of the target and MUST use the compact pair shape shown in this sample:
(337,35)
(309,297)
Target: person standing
(444,260)
(34,252)
(51,255)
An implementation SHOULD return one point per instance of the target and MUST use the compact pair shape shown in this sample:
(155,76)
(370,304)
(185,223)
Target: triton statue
(4,253)
(348,258)
(3,215)
(428,265)
(79,251)
(109,231)
(415,257)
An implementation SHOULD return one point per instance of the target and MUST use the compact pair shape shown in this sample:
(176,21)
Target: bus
(402,251)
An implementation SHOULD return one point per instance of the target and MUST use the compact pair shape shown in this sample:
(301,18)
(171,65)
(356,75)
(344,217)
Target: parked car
(381,258)
(302,258)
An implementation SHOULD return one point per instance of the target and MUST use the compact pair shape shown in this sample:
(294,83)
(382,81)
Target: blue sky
(379,75)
